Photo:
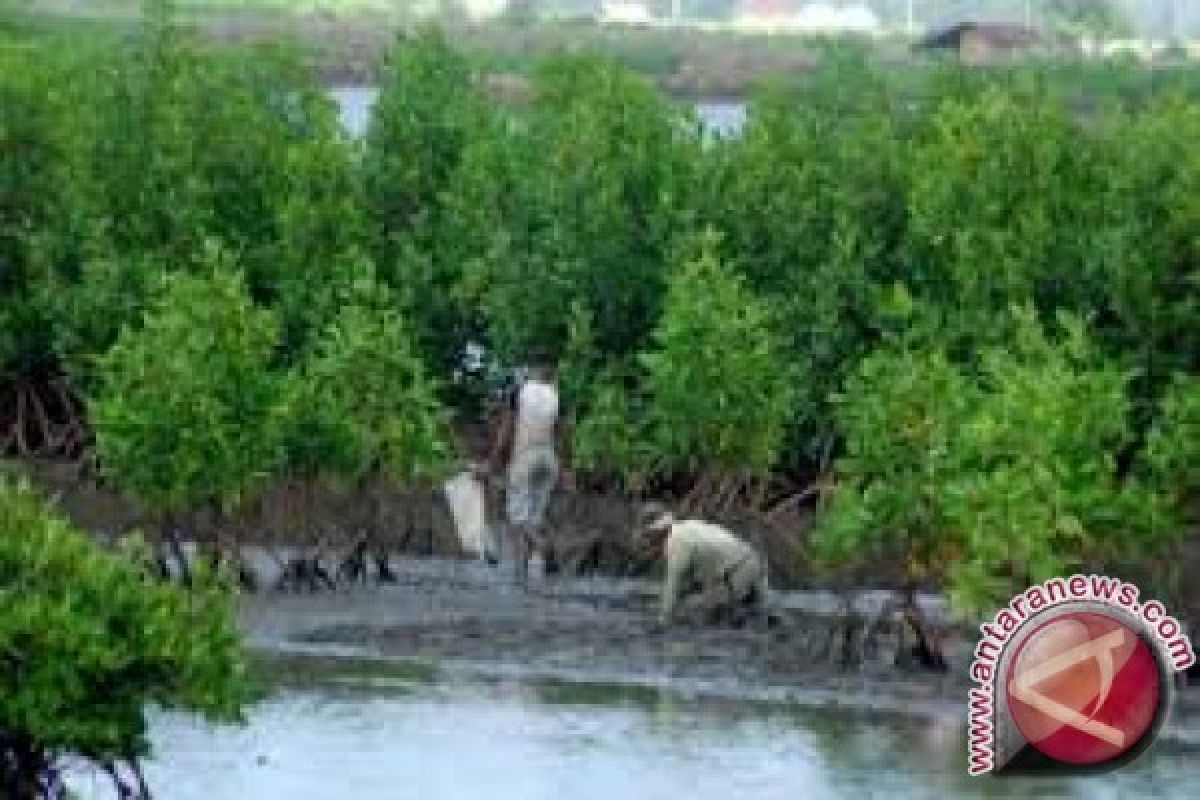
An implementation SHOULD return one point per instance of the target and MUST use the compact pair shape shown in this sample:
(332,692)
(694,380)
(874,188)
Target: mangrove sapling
(812,223)
(714,356)
(90,639)
(360,409)
(580,203)
(989,481)
(183,405)
(431,110)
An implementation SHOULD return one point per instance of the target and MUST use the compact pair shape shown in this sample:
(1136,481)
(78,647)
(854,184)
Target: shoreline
(458,621)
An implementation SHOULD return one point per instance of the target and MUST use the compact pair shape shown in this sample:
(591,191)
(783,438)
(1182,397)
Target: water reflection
(355,104)
(352,732)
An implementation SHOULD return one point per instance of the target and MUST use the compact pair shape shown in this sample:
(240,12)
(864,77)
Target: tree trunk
(170,534)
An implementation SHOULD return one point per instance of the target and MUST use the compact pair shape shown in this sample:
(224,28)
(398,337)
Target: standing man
(705,559)
(528,437)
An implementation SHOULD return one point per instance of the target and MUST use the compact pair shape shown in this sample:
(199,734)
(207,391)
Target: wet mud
(467,616)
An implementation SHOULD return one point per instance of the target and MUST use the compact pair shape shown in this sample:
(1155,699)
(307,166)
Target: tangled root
(42,419)
(310,572)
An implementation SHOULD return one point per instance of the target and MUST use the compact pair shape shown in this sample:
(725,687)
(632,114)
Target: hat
(655,517)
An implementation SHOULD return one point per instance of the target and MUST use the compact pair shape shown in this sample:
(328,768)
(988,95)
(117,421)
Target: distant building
(985,42)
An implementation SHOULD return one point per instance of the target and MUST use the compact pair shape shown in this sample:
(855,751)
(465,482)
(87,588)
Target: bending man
(727,574)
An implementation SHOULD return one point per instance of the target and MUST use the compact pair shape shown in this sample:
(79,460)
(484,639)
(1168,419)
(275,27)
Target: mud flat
(463,617)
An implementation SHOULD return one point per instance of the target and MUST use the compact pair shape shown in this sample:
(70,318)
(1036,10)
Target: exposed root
(305,572)
(794,501)
(41,419)
(353,567)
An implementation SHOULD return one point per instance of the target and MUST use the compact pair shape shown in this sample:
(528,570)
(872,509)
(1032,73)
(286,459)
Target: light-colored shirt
(703,553)
(537,414)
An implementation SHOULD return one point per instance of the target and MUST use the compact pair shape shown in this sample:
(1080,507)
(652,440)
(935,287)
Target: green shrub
(89,641)
(430,110)
(1149,266)
(163,144)
(997,198)
(184,401)
(362,401)
(42,202)
(1173,446)
(583,202)
(193,142)
(990,480)
(719,393)
(811,203)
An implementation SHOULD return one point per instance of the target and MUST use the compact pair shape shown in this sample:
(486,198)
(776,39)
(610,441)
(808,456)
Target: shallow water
(355,103)
(414,734)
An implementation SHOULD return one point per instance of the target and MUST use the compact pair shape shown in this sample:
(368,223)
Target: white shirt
(537,414)
(703,552)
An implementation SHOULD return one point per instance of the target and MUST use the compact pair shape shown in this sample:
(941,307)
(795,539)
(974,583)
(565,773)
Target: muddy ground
(592,530)
(462,619)
(466,615)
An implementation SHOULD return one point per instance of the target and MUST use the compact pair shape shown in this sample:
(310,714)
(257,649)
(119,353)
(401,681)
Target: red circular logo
(1083,688)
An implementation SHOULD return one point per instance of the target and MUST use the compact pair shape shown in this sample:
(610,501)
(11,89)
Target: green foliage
(430,110)
(607,408)
(813,224)
(89,640)
(362,400)
(720,395)
(184,401)
(179,167)
(991,181)
(1149,266)
(610,437)
(1173,446)
(41,198)
(993,479)
(130,163)
(581,203)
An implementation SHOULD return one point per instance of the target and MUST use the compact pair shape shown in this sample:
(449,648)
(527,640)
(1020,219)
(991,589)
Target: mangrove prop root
(384,571)
(135,790)
(176,546)
(353,567)
(795,500)
(40,419)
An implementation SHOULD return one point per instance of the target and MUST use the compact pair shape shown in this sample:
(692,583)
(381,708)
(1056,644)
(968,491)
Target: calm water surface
(325,737)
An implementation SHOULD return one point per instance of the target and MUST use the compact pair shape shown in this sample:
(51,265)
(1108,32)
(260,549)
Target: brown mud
(468,616)
(592,531)
(463,620)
